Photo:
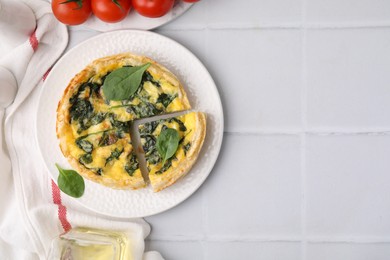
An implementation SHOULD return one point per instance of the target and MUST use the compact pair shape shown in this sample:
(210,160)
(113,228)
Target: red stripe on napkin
(56,194)
(55,191)
(33,41)
(46,74)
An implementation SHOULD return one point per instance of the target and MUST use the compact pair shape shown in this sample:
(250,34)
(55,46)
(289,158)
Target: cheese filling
(98,135)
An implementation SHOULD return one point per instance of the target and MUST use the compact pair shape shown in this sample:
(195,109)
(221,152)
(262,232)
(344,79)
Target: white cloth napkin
(32,209)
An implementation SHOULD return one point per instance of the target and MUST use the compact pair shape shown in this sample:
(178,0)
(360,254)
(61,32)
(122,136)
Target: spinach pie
(98,108)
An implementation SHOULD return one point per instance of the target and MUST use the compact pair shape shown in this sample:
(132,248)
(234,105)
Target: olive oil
(90,244)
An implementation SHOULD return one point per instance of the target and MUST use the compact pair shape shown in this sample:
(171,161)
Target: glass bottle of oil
(90,244)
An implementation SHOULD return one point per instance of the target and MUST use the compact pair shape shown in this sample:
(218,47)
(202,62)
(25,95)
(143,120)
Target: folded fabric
(33,210)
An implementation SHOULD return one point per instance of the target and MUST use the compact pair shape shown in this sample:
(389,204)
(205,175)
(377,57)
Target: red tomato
(153,8)
(111,11)
(71,12)
(190,1)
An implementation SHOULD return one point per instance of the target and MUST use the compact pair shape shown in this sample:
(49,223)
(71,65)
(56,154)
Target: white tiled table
(304,171)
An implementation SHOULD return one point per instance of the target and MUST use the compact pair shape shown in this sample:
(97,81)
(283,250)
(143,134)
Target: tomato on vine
(71,12)
(153,8)
(111,11)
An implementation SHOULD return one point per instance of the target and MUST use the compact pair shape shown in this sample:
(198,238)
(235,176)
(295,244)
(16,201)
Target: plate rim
(152,34)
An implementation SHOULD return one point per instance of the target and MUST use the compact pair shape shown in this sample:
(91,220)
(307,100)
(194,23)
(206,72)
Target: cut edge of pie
(169,177)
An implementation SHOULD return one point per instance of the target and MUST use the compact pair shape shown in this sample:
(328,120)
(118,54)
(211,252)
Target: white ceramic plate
(137,21)
(202,94)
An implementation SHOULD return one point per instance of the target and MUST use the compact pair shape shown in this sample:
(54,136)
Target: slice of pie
(94,132)
(191,130)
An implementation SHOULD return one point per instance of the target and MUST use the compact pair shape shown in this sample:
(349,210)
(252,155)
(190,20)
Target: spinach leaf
(81,109)
(148,77)
(95,88)
(108,139)
(84,145)
(83,125)
(114,155)
(75,96)
(132,164)
(98,118)
(143,110)
(182,127)
(144,97)
(186,148)
(167,143)
(166,99)
(165,167)
(149,127)
(122,83)
(85,159)
(122,126)
(96,133)
(70,182)
(150,143)
(153,157)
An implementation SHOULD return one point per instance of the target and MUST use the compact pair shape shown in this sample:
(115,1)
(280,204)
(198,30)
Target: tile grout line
(297,132)
(303,196)
(276,239)
(282,26)
(349,240)
(227,239)
(304,100)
